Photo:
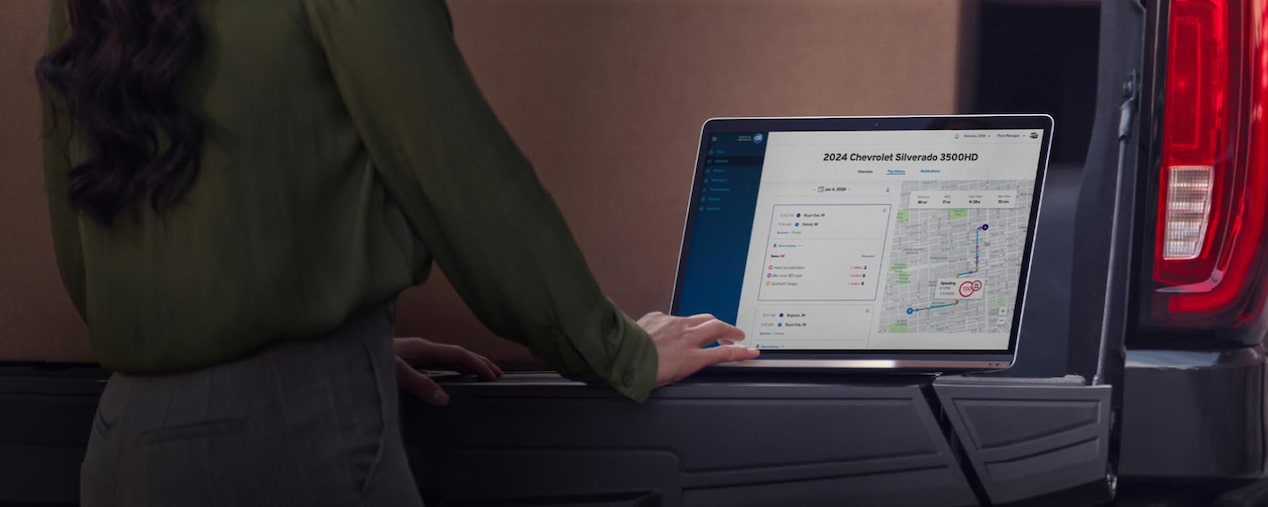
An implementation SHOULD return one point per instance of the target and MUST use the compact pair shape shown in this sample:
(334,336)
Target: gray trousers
(309,423)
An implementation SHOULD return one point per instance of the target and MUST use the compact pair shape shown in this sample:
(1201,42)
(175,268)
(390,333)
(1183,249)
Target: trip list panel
(824,252)
(807,323)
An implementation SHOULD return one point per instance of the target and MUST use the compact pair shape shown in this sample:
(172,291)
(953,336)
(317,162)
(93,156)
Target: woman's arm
(469,194)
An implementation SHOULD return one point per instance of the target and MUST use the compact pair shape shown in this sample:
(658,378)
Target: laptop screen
(867,239)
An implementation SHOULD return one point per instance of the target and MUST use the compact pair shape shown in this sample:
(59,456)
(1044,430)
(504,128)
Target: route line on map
(932,307)
(977,252)
(977,266)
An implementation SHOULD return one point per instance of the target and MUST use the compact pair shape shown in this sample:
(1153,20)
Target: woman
(240,188)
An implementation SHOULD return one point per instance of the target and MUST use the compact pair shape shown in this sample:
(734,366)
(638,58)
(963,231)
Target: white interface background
(903,240)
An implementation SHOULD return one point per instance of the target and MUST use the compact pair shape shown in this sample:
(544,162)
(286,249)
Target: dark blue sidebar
(721,225)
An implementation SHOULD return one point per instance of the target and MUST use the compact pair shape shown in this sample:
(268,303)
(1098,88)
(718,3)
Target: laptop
(874,243)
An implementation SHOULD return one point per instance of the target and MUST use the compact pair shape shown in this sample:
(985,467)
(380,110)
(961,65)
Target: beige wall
(605,96)
(37,321)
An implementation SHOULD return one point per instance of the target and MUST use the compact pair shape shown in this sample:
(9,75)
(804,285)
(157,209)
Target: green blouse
(347,147)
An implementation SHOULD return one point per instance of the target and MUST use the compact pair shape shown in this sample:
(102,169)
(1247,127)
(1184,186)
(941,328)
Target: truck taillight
(1209,251)
(1187,211)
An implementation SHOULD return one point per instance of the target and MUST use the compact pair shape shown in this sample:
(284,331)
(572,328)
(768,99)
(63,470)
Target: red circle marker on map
(966,289)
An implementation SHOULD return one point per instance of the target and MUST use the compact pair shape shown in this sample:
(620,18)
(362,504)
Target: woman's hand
(680,340)
(415,353)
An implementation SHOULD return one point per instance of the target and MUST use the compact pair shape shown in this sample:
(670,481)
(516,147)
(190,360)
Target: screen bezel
(997,357)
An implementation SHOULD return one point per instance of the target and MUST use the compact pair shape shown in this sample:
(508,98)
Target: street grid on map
(939,243)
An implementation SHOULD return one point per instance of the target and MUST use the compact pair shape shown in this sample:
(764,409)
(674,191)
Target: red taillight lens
(1209,251)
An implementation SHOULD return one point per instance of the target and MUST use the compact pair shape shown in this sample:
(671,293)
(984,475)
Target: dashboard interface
(862,240)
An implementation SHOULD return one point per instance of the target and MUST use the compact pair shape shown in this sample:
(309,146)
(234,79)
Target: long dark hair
(118,75)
